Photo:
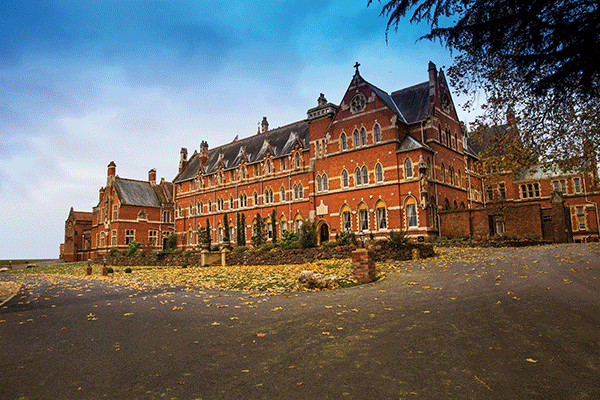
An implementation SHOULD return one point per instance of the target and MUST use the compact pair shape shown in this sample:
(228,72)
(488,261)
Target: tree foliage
(534,58)
(259,236)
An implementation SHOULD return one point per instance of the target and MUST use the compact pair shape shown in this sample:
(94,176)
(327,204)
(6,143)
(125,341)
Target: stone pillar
(224,252)
(363,262)
(203,254)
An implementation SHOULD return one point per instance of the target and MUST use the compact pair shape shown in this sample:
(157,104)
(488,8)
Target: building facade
(131,211)
(78,234)
(374,163)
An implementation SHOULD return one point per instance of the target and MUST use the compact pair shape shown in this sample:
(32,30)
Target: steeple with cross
(355,79)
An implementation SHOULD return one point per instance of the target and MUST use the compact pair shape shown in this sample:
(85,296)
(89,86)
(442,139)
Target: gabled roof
(409,143)
(80,215)
(139,193)
(280,140)
(413,102)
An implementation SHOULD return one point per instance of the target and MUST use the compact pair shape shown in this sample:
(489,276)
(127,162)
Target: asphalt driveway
(471,324)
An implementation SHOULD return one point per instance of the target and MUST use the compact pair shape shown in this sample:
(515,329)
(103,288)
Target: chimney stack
(204,153)
(112,172)
(432,80)
(182,159)
(264,125)
(321,101)
(152,176)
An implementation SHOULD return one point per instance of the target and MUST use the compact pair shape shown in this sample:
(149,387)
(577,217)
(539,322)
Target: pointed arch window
(325,183)
(344,141)
(381,212)
(443,174)
(411,213)
(269,167)
(365,176)
(209,206)
(319,183)
(363,217)
(267,196)
(295,192)
(377,130)
(282,194)
(356,139)
(408,168)
(357,177)
(363,137)
(297,160)
(458,179)
(346,218)
(300,191)
(379,173)
(344,179)
(255,198)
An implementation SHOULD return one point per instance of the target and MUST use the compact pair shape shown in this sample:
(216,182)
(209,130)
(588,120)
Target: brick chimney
(321,101)
(112,172)
(203,153)
(264,125)
(152,176)
(182,159)
(432,80)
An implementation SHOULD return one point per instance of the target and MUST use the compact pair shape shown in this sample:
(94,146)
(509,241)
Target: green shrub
(114,252)
(110,270)
(345,238)
(398,239)
(127,270)
(308,235)
(132,249)
(289,240)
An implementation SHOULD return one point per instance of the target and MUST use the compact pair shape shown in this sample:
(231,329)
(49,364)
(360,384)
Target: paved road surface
(485,324)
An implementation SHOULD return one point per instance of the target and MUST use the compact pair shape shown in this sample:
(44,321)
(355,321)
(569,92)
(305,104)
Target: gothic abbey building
(374,163)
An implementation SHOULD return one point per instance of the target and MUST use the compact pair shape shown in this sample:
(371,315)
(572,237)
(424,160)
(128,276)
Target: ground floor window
(581,218)
(381,217)
(129,236)
(152,238)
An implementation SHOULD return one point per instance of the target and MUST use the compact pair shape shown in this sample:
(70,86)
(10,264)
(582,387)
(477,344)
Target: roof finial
(356,66)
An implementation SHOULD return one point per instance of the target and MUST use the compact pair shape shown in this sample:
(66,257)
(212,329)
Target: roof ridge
(410,87)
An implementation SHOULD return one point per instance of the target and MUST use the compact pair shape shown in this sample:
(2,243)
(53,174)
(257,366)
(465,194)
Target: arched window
(282,193)
(255,198)
(297,160)
(231,202)
(200,206)
(209,206)
(451,175)
(363,217)
(317,149)
(357,177)
(381,212)
(319,183)
(356,139)
(408,168)
(411,212)
(270,196)
(379,173)
(377,130)
(325,183)
(344,179)
(295,192)
(363,137)
(268,166)
(243,172)
(458,179)
(344,141)
(443,174)
(266,196)
(300,191)
(346,220)
(365,176)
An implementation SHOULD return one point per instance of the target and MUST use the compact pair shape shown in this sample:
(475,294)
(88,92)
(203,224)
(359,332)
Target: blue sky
(84,83)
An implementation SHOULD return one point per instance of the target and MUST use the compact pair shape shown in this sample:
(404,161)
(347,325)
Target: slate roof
(409,143)
(413,102)
(139,193)
(280,140)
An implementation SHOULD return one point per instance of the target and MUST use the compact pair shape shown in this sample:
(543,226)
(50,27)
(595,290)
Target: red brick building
(78,233)
(131,210)
(374,163)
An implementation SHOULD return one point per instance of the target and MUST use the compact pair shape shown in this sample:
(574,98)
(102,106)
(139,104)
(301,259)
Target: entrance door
(324,233)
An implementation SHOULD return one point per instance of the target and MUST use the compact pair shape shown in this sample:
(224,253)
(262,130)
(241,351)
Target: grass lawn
(269,278)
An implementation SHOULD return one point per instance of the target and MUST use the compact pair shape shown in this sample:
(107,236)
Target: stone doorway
(324,233)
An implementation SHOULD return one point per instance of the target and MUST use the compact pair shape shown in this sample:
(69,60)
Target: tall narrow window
(300,191)
(295,192)
(297,160)
(377,130)
(129,236)
(283,162)
(563,186)
(282,193)
(266,197)
(363,137)
(358,176)
(365,176)
(381,216)
(363,217)
(268,166)
(319,183)
(411,213)
(325,183)
(408,168)
(356,139)
(344,141)
(443,174)
(581,217)
(577,185)
(255,198)
(346,219)
(344,179)
(379,173)
(114,212)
